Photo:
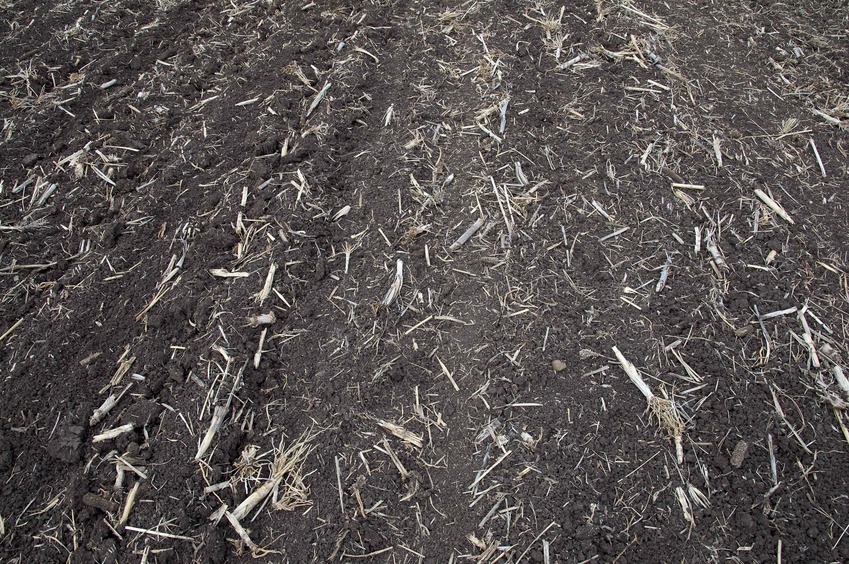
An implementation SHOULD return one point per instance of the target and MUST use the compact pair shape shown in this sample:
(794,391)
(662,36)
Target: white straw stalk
(257,496)
(287,471)
(663,410)
(217,419)
(262,319)
(837,370)
(397,283)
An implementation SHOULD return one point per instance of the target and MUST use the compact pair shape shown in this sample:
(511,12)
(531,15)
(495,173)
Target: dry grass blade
(159,534)
(125,362)
(486,472)
(293,492)
(694,376)
(160,293)
(448,374)
(11,329)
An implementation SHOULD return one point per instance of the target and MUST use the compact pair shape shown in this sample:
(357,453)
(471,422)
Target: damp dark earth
(407,281)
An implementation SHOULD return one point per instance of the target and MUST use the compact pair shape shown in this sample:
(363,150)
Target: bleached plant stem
(507,221)
(318,98)
(217,419)
(262,319)
(128,503)
(503,124)
(339,485)
(773,205)
(269,282)
(395,288)
(258,353)
(112,433)
(218,416)
(633,374)
(710,243)
(467,234)
(663,410)
(256,496)
(243,534)
(837,370)
(285,471)
(573,61)
(817,155)
(107,406)
(664,275)
(808,338)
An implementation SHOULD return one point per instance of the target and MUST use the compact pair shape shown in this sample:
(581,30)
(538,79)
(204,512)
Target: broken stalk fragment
(107,406)
(218,416)
(395,288)
(467,234)
(262,319)
(663,410)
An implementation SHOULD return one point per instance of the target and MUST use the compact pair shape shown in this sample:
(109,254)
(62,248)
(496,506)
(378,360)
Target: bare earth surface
(342,281)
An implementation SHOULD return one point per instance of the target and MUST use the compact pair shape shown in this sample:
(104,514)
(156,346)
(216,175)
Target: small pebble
(558,365)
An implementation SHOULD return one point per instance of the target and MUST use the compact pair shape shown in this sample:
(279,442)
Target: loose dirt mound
(330,281)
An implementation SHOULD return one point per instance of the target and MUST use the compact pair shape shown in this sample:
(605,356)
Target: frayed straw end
(669,419)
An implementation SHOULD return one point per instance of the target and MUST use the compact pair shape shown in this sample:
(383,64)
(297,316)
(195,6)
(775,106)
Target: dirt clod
(99,502)
(66,443)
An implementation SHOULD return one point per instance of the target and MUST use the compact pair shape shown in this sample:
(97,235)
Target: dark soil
(161,162)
